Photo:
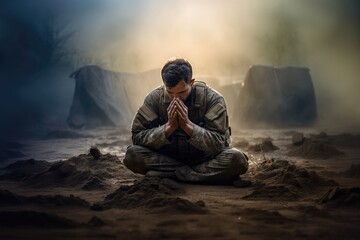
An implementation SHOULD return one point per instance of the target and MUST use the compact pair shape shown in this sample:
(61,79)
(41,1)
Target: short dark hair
(176,70)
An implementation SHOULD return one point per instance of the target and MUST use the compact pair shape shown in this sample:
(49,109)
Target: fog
(219,38)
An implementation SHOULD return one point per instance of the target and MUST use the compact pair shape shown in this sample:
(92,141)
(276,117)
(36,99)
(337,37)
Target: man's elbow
(217,147)
(135,139)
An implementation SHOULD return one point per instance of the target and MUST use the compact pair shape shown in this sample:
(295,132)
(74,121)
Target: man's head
(177,78)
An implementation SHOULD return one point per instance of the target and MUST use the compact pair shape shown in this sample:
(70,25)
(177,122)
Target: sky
(220,38)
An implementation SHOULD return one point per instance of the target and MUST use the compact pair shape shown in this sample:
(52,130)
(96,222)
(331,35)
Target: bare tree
(58,36)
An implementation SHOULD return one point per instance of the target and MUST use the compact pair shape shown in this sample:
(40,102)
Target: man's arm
(145,129)
(211,138)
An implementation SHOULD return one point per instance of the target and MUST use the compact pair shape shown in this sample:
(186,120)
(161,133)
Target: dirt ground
(305,185)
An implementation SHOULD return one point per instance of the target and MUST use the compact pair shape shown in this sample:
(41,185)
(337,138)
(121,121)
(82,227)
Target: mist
(219,38)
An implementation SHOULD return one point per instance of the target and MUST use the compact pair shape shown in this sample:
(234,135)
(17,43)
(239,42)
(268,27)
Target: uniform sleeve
(211,138)
(145,128)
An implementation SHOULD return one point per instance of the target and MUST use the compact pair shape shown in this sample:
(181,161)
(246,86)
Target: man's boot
(241,183)
(161,174)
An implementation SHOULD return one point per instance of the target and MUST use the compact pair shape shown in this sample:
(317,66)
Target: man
(182,132)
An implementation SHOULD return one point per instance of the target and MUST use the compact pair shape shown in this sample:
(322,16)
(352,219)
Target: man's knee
(238,161)
(133,159)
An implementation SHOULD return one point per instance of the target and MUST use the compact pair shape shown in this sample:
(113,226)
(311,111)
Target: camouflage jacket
(206,109)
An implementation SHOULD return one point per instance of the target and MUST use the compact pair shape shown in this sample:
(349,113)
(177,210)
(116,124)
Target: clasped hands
(178,118)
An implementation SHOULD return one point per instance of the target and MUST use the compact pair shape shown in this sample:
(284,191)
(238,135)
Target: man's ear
(192,82)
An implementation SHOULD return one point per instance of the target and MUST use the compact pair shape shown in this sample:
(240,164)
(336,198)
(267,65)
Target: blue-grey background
(43,41)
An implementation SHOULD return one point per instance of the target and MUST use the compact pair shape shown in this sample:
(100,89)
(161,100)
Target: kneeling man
(182,132)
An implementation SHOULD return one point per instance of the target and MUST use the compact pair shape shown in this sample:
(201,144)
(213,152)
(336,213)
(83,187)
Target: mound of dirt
(20,170)
(298,138)
(29,219)
(90,171)
(275,172)
(279,192)
(322,146)
(64,173)
(173,205)
(154,194)
(9,198)
(342,197)
(96,222)
(345,140)
(279,179)
(95,183)
(309,211)
(312,149)
(265,146)
(353,171)
(259,215)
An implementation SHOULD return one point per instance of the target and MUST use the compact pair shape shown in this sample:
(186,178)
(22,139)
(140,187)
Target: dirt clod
(297,138)
(95,152)
(342,197)
(353,171)
(32,219)
(279,179)
(9,198)
(96,222)
(265,146)
(81,171)
(315,149)
(154,194)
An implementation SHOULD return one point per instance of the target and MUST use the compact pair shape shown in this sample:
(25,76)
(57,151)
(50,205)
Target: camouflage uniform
(204,157)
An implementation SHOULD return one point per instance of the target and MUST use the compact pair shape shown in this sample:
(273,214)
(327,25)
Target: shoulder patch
(214,112)
(147,113)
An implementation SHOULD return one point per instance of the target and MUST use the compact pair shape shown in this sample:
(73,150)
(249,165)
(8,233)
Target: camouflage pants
(223,168)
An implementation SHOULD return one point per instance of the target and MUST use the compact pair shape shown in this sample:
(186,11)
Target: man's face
(181,90)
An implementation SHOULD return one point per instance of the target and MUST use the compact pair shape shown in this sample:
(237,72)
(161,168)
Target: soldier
(182,132)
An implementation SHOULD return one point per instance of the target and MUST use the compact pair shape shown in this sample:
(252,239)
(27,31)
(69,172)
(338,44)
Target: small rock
(265,146)
(297,138)
(342,197)
(95,152)
(353,171)
(96,207)
(96,222)
(200,203)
